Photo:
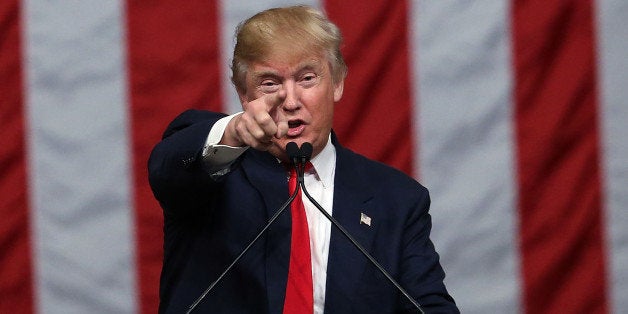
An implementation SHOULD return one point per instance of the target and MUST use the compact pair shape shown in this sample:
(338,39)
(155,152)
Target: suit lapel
(352,197)
(269,177)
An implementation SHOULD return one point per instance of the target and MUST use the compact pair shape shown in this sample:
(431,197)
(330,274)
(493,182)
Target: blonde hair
(293,31)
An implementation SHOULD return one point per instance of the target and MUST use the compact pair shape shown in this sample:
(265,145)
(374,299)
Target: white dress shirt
(319,183)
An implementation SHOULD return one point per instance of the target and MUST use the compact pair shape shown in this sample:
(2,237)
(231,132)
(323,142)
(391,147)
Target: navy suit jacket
(208,222)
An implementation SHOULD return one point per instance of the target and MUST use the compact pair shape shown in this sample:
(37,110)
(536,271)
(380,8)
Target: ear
(338,89)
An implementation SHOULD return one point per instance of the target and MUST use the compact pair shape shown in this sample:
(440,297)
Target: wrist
(230,136)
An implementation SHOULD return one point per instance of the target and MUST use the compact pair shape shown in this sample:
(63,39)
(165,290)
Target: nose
(289,95)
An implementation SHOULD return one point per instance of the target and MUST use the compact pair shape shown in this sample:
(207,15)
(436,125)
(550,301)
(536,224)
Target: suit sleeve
(175,168)
(421,269)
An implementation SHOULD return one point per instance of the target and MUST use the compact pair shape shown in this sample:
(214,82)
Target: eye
(269,86)
(308,79)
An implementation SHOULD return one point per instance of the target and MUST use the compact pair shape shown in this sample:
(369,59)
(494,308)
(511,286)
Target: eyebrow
(306,65)
(265,73)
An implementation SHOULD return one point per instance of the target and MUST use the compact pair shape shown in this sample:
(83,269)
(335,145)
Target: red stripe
(173,64)
(375,115)
(558,158)
(16,291)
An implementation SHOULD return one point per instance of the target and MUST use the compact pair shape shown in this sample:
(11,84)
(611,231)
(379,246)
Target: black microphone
(295,155)
(293,152)
(308,148)
(300,157)
(306,152)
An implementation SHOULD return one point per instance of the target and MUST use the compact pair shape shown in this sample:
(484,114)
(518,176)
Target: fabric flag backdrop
(512,113)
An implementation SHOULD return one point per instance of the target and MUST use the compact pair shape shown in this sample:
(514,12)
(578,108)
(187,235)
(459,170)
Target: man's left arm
(421,272)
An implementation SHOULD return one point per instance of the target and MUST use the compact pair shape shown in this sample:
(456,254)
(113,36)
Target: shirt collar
(325,164)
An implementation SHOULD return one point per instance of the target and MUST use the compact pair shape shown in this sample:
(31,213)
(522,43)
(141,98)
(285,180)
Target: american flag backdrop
(513,113)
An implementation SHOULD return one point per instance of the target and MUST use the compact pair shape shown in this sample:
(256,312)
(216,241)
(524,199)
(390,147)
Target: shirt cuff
(218,158)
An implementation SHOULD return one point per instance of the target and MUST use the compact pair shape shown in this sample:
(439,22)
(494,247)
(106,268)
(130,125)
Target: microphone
(293,152)
(297,158)
(306,148)
(306,152)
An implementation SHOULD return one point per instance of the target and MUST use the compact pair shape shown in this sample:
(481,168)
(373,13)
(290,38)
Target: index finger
(273,103)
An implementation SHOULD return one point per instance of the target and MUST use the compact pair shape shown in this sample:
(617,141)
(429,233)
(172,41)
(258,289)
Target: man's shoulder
(190,117)
(375,171)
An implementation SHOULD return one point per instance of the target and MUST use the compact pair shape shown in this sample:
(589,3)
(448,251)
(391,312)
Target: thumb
(282,124)
(282,129)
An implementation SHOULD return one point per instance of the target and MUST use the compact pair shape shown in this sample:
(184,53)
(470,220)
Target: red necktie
(299,290)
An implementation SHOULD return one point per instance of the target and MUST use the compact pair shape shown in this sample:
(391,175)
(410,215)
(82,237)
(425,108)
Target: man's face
(299,91)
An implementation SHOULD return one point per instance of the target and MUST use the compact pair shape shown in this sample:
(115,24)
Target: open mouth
(294,123)
(295,127)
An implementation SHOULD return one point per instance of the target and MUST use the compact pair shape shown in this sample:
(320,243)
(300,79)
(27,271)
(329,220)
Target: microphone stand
(361,249)
(292,151)
(299,157)
(307,147)
(270,222)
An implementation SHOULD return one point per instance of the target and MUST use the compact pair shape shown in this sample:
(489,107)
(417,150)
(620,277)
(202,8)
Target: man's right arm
(182,166)
(176,168)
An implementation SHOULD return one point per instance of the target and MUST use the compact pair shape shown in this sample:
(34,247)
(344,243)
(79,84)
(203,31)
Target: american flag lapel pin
(364,219)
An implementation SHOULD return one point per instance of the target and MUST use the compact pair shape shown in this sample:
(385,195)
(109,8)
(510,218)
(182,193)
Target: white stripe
(79,157)
(463,92)
(612,51)
(234,12)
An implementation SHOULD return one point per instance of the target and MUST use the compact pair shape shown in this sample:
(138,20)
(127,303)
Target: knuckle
(258,134)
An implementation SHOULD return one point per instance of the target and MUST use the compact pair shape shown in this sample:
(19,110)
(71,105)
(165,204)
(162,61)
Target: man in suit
(220,178)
